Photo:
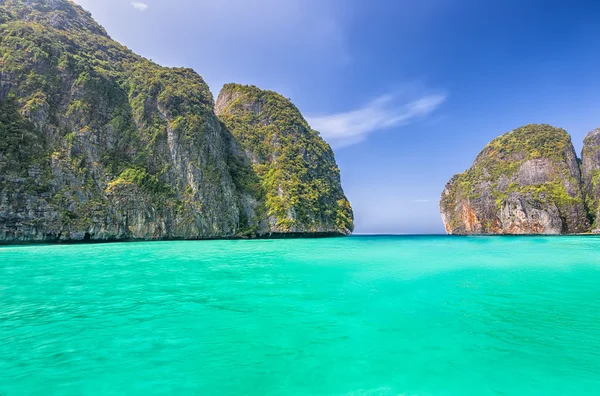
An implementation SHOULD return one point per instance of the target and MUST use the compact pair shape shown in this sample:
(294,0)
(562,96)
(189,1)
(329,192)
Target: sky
(407,92)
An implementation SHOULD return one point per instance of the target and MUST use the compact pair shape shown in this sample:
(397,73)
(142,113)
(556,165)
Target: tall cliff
(590,169)
(527,181)
(98,143)
(296,168)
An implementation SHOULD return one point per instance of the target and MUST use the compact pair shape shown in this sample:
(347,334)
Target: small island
(528,181)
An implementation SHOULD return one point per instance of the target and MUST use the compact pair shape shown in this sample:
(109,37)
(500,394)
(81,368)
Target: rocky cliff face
(97,143)
(527,181)
(590,169)
(296,169)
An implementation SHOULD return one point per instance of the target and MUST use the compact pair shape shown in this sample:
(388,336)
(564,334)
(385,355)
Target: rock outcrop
(98,143)
(527,181)
(590,169)
(295,167)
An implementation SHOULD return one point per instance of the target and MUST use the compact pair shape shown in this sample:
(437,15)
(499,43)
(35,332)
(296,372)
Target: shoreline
(273,236)
(277,236)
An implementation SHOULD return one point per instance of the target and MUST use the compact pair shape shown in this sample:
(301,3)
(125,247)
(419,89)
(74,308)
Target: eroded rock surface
(98,143)
(527,181)
(590,169)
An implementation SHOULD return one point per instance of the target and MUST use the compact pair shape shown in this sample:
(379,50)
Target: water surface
(350,316)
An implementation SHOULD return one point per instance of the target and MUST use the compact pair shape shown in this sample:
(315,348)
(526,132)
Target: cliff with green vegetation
(590,169)
(98,143)
(297,174)
(527,181)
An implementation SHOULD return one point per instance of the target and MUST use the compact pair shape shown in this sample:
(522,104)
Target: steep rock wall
(527,181)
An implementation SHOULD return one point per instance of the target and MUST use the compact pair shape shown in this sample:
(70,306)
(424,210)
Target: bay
(364,315)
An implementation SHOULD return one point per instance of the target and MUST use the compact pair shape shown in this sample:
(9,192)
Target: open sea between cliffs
(362,315)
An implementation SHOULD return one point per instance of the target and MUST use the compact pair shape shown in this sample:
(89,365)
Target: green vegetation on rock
(99,141)
(590,167)
(296,167)
(20,144)
(526,181)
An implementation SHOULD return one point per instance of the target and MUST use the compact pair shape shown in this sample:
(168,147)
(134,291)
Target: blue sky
(407,92)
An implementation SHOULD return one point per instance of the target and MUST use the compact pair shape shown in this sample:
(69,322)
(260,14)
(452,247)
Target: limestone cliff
(527,181)
(296,168)
(98,143)
(590,168)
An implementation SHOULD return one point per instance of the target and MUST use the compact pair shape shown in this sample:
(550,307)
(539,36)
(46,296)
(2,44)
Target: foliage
(103,113)
(495,174)
(529,142)
(19,142)
(503,156)
(86,116)
(142,179)
(297,169)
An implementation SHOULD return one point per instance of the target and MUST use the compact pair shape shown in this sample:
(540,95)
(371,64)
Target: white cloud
(139,6)
(347,128)
(421,200)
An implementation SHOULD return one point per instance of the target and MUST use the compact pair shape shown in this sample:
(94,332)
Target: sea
(362,315)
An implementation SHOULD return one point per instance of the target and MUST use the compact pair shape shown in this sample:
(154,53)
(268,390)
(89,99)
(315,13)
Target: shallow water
(358,316)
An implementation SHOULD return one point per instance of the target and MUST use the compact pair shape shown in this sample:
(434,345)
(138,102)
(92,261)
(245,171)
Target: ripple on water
(353,316)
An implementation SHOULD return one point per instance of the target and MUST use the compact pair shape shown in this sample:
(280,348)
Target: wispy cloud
(347,128)
(421,200)
(138,5)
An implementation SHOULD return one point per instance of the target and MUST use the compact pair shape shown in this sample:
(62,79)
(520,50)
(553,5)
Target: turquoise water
(350,316)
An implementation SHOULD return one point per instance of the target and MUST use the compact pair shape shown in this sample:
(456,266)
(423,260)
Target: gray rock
(590,168)
(115,147)
(527,181)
